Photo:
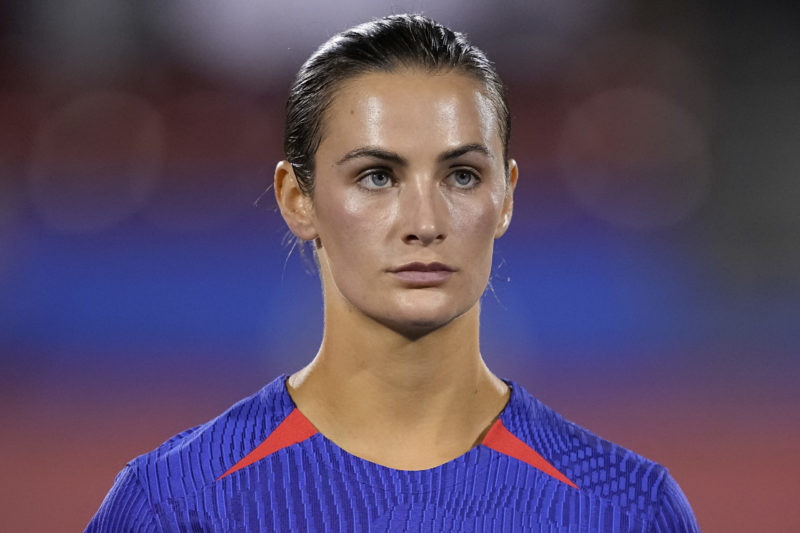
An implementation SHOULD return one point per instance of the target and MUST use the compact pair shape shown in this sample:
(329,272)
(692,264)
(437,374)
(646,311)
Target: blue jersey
(262,466)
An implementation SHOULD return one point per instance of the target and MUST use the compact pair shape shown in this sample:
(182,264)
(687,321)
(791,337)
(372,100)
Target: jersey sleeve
(125,508)
(674,514)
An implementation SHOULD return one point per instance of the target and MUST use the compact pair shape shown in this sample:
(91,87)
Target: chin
(414,330)
(417,325)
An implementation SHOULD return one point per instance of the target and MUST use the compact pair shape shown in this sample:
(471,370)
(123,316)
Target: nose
(423,213)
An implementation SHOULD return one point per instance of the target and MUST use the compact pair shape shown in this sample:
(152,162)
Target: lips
(423,267)
(423,274)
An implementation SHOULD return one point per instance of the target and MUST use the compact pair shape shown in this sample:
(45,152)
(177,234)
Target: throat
(396,429)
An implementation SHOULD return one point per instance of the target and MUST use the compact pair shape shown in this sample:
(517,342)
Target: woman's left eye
(463,179)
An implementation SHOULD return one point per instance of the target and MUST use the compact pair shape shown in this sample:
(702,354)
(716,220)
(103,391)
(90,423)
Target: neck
(406,403)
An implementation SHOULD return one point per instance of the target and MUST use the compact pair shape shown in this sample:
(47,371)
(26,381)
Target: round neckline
(470,457)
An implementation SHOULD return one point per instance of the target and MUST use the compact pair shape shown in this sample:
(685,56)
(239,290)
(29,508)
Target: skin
(409,169)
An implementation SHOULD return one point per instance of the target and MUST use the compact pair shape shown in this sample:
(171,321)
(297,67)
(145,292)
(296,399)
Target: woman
(397,171)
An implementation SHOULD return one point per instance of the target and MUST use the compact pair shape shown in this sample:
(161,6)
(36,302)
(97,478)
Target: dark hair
(381,45)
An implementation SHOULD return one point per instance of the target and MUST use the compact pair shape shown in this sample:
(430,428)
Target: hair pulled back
(384,44)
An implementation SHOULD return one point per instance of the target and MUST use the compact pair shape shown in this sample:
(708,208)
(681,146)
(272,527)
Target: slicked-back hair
(382,45)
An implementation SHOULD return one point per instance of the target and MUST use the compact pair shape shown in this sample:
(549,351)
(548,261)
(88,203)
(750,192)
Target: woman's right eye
(376,179)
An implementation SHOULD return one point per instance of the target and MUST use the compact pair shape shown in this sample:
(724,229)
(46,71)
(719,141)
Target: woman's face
(410,194)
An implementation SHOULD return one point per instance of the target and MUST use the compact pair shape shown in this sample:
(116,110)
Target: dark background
(647,289)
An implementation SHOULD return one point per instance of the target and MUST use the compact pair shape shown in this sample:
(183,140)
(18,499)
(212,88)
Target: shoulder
(200,455)
(610,475)
(191,460)
(125,508)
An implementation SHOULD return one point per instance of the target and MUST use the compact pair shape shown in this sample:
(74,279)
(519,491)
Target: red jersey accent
(294,428)
(501,440)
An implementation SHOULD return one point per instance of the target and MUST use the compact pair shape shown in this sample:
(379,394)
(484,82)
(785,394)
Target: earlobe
(508,202)
(295,206)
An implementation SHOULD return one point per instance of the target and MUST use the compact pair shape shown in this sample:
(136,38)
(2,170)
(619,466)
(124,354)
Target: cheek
(477,221)
(348,222)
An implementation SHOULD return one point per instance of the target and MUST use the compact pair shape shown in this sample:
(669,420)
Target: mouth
(423,274)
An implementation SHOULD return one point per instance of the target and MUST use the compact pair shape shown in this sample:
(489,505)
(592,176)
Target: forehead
(408,109)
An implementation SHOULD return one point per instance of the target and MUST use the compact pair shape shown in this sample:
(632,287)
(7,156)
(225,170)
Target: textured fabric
(217,477)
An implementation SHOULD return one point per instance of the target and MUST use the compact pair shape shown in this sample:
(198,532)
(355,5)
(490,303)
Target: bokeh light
(635,158)
(95,161)
(217,157)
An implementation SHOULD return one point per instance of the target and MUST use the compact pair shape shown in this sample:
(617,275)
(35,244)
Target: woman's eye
(375,180)
(464,179)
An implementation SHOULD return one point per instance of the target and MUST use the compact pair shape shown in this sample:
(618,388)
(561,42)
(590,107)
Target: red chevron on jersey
(294,428)
(500,439)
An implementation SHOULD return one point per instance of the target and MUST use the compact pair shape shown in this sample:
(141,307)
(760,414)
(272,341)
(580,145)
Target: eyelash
(376,172)
(475,178)
(364,179)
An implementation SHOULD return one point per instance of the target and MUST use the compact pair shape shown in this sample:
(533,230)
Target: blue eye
(464,179)
(375,180)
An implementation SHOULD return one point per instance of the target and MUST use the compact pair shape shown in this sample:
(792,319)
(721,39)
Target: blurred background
(647,289)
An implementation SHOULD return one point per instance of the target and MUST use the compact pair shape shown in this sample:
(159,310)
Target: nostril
(423,238)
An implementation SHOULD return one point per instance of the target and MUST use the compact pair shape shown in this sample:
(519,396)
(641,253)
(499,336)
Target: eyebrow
(375,152)
(467,148)
(393,157)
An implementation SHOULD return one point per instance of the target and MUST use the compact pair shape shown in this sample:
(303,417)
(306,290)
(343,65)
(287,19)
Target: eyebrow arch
(393,157)
(373,151)
(461,150)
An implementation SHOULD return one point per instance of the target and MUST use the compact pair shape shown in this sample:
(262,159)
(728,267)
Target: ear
(295,206)
(508,202)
